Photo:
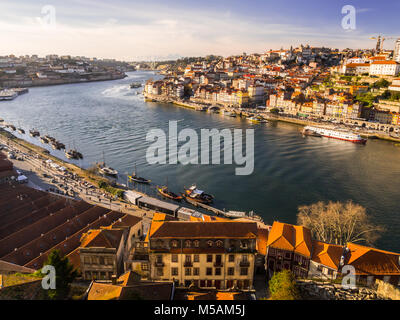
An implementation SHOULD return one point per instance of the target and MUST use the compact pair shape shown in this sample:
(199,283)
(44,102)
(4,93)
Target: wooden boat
(135,178)
(43,140)
(34,133)
(168,194)
(197,195)
(20,130)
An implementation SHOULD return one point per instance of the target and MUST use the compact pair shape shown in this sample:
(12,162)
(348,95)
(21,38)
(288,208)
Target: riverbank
(267,116)
(52,82)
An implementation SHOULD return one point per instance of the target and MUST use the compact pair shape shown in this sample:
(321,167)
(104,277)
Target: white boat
(108,171)
(235,214)
(8,95)
(336,133)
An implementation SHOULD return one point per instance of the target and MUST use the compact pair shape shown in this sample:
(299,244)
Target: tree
(282,286)
(339,223)
(65,274)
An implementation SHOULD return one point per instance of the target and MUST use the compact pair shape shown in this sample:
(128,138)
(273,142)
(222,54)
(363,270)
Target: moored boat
(257,119)
(135,178)
(43,140)
(336,133)
(20,130)
(198,195)
(168,194)
(34,133)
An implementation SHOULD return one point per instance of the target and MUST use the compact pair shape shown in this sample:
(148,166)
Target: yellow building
(213,255)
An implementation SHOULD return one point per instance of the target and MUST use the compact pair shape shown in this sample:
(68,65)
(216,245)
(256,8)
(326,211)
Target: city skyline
(156,30)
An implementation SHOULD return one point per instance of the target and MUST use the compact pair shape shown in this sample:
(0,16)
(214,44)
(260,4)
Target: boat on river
(335,133)
(34,133)
(135,178)
(165,192)
(194,194)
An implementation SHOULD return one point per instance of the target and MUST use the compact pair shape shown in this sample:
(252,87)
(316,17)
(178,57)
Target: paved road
(43,176)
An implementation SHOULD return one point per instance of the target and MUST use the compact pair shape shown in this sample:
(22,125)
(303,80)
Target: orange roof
(103,238)
(327,254)
(289,237)
(384,62)
(104,291)
(219,295)
(371,261)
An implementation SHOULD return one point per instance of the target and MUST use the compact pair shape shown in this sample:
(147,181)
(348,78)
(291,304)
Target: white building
(385,68)
(396,54)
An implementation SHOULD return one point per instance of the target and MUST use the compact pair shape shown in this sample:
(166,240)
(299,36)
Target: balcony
(244,264)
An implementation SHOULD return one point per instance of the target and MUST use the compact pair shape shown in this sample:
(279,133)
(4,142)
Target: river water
(289,170)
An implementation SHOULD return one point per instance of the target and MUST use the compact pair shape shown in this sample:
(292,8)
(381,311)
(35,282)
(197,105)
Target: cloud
(149,30)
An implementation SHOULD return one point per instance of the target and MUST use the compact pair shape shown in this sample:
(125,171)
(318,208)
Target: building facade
(213,255)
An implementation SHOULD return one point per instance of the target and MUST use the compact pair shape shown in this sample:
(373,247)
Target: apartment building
(218,255)
(385,68)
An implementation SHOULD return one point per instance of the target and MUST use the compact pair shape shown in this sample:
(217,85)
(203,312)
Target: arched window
(174,243)
(219,243)
(188,244)
(196,243)
(210,243)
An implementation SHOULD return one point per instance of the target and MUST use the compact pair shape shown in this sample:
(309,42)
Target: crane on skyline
(379,42)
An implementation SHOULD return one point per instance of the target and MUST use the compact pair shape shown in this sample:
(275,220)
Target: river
(289,170)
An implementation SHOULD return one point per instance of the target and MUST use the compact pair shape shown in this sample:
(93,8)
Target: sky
(168,29)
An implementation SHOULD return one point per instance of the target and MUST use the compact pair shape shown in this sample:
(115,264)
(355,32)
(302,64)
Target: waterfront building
(289,247)
(219,255)
(371,264)
(325,260)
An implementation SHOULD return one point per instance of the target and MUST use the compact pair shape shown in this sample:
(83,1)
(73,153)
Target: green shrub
(282,286)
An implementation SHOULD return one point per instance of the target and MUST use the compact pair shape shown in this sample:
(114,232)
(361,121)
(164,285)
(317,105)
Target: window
(174,258)
(245,258)
(188,244)
(196,258)
(287,255)
(243,244)
(217,271)
(102,260)
(174,271)
(196,243)
(196,271)
(243,271)
(219,243)
(188,258)
(209,271)
(174,243)
(160,272)
(231,271)
(210,243)
(231,258)
(159,259)
(145,266)
(209,258)
(188,271)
